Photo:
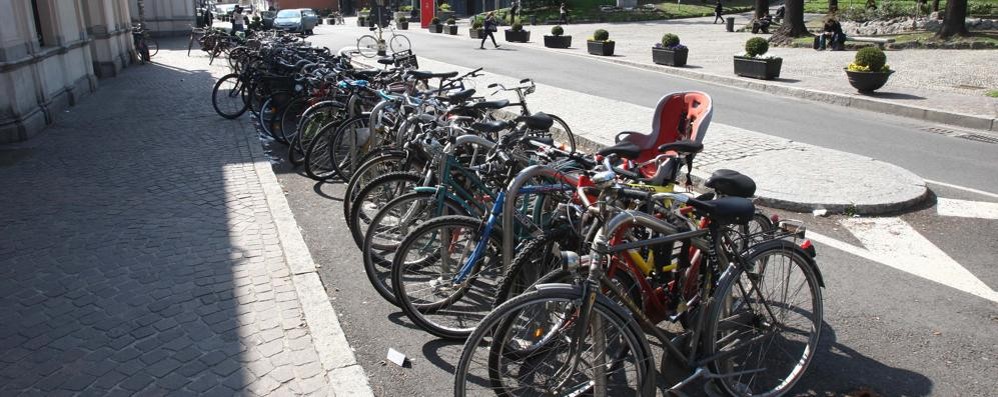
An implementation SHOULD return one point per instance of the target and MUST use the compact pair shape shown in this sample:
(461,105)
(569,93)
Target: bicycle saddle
(731,183)
(536,121)
(366,74)
(491,104)
(682,147)
(623,149)
(424,75)
(491,126)
(459,96)
(386,61)
(726,210)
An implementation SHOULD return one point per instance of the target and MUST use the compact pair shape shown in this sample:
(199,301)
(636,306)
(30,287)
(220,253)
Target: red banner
(426,8)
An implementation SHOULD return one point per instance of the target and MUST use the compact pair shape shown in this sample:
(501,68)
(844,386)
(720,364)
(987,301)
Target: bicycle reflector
(808,247)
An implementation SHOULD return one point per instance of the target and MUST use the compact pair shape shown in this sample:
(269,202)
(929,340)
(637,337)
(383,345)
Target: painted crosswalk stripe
(893,242)
(966,208)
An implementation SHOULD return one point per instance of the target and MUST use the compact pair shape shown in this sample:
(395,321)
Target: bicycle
(146,46)
(368,46)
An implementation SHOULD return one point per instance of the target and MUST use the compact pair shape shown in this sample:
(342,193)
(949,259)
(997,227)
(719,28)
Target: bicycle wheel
(764,321)
(349,145)
(153,46)
(759,227)
(227,96)
(270,112)
(373,197)
(561,131)
(533,260)
(390,226)
(524,346)
(318,118)
(318,164)
(390,160)
(367,46)
(426,270)
(399,43)
(291,115)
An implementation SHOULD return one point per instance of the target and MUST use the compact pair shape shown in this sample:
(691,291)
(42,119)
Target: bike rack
(508,207)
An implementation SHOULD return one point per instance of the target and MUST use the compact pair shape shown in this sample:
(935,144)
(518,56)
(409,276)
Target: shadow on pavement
(892,95)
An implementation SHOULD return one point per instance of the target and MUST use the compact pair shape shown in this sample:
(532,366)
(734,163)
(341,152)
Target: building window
(38,23)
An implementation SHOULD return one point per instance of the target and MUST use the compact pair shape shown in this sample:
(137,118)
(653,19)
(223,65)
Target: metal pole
(142,12)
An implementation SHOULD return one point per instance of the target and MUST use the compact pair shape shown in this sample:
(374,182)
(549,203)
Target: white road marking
(892,242)
(966,189)
(966,208)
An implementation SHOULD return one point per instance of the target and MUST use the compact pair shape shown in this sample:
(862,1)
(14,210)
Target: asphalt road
(885,329)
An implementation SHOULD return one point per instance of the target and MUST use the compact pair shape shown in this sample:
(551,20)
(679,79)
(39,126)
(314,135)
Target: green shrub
(435,21)
(444,7)
(557,30)
(451,21)
(365,10)
(476,23)
(402,20)
(517,27)
(601,35)
(756,46)
(670,40)
(405,8)
(871,57)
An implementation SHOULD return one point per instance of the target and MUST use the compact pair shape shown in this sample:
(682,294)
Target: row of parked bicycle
(555,266)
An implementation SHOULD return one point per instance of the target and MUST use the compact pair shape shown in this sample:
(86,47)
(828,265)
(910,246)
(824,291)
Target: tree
(935,5)
(955,21)
(793,23)
(833,6)
(761,6)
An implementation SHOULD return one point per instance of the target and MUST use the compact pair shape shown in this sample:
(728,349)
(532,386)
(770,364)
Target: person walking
(718,9)
(237,20)
(514,7)
(563,12)
(490,27)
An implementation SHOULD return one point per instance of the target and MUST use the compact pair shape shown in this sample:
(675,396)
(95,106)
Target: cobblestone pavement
(139,255)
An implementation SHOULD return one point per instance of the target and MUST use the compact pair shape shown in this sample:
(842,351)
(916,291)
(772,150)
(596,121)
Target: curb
(344,375)
(833,98)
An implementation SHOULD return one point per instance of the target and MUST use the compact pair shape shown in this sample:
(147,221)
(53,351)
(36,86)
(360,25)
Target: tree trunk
(761,6)
(955,21)
(833,6)
(793,23)
(935,5)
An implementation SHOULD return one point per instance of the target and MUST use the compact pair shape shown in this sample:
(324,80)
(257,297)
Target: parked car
(267,17)
(301,20)
(223,12)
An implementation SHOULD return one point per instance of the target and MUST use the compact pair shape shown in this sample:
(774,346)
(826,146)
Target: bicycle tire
(761,256)
(372,198)
(317,162)
(291,116)
(524,270)
(502,320)
(367,46)
(369,170)
(431,315)
(378,254)
(349,145)
(399,43)
(269,119)
(153,46)
(235,90)
(566,131)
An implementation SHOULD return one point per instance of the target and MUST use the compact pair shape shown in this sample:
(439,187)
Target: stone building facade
(165,17)
(52,53)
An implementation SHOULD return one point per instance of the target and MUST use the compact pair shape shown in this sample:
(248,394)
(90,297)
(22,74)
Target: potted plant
(476,28)
(600,43)
(444,12)
(557,39)
(402,23)
(404,11)
(435,26)
(869,71)
(516,34)
(669,52)
(452,27)
(755,64)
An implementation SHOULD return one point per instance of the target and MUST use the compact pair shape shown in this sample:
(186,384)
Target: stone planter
(758,68)
(476,33)
(436,28)
(522,36)
(557,41)
(603,48)
(868,81)
(361,21)
(319,21)
(452,30)
(665,56)
(330,21)
(402,25)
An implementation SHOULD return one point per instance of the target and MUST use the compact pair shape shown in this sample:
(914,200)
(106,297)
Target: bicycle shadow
(838,369)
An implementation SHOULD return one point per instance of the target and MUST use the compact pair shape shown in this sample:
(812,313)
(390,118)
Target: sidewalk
(147,250)
(944,86)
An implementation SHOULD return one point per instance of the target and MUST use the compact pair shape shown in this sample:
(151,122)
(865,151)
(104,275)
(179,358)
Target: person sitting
(832,33)
(762,23)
